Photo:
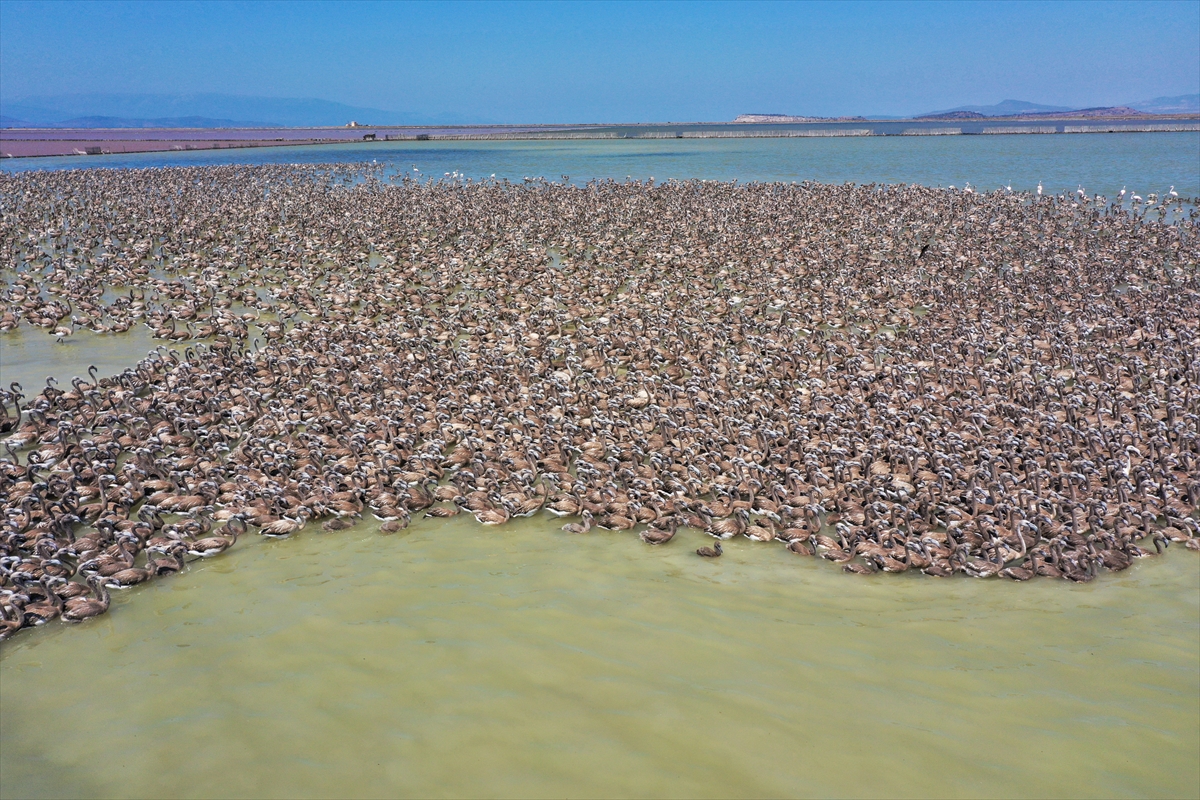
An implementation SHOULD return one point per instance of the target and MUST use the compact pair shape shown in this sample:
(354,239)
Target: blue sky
(582,62)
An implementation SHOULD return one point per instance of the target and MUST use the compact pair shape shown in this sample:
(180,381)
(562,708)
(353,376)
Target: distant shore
(39,142)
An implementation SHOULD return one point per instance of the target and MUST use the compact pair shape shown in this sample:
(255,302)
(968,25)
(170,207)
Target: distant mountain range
(1179,104)
(200,111)
(234,111)
(1101,111)
(1005,108)
(125,122)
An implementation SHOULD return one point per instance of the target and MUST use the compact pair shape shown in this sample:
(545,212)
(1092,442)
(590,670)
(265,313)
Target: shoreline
(58,142)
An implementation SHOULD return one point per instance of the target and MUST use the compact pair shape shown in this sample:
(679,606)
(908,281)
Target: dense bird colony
(893,378)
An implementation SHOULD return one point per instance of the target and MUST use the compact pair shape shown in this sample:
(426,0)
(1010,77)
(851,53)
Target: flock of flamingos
(890,378)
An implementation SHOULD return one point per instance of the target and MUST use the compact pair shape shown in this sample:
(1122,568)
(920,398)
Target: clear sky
(582,62)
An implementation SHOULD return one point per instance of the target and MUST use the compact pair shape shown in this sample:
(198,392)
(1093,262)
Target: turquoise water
(1100,162)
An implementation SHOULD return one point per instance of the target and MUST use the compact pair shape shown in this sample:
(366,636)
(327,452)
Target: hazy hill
(206,110)
(126,122)
(1005,108)
(1178,104)
(1098,112)
(959,114)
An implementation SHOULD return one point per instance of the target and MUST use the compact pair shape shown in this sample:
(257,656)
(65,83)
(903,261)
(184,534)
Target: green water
(29,355)
(456,660)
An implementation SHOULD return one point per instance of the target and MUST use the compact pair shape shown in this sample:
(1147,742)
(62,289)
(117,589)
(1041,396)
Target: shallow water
(29,355)
(1100,162)
(455,660)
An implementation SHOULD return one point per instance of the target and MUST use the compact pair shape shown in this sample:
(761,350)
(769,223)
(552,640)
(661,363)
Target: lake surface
(1099,162)
(455,660)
